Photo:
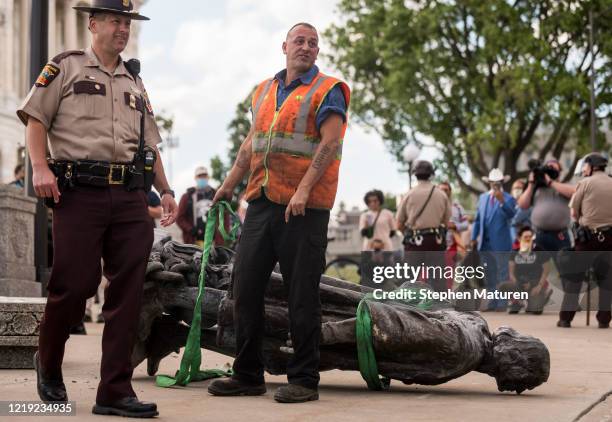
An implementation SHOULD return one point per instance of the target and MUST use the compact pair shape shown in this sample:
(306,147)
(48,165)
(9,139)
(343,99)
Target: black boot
(130,407)
(234,387)
(293,393)
(49,389)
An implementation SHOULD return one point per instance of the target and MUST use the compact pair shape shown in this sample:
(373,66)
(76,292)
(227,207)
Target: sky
(201,58)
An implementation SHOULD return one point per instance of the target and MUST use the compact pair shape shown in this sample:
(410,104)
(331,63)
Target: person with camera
(376,223)
(422,216)
(590,207)
(90,111)
(549,199)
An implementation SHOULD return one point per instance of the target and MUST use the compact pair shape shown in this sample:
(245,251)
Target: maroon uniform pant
(428,253)
(91,223)
(599,258)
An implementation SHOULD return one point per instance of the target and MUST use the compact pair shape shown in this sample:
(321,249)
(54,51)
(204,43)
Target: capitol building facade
(67,30)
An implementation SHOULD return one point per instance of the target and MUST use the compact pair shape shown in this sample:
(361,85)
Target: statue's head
(521,362)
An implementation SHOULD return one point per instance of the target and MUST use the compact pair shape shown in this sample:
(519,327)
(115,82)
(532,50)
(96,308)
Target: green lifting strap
(363,332)
(365,349)
(189,369)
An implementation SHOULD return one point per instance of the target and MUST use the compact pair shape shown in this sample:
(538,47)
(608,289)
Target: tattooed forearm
(243,160)
(323,157)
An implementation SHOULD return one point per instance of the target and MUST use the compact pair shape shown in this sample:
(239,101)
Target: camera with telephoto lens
(539,171)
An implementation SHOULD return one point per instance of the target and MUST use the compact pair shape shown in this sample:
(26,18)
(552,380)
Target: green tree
(165,124)
(390,202)
(478,78)
(238,130)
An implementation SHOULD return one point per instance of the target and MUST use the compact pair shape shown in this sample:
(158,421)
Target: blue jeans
(552,240)
(496,272)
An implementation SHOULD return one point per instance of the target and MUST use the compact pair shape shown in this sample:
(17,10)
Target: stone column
(8,48)
(51,36)
(17,270)
(23,85)
(70,25)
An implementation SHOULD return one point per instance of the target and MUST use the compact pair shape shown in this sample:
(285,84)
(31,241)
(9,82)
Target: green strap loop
(365,349)
(189,370)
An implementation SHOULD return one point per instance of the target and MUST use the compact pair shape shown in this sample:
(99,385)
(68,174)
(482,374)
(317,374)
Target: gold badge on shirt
(49,72)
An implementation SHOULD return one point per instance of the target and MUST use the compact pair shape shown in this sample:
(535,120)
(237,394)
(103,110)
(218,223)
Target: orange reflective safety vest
(285,141)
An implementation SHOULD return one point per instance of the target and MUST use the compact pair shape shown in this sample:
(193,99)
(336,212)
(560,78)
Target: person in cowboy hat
(89,107)
(491,233)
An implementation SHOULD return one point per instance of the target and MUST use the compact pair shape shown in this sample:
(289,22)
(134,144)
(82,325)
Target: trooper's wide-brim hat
(496,175)
(116,7)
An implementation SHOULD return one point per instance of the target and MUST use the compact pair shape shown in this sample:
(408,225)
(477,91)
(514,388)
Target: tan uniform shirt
(592,200)
(89,112)
(436,213)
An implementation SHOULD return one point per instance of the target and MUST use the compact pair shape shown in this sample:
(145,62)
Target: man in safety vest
(293,152)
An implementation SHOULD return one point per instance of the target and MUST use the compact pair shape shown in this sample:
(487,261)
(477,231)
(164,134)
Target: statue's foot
(564,324)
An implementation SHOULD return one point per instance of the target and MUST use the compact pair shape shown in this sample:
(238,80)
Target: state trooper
(91,110)
(422,216)
(590,207)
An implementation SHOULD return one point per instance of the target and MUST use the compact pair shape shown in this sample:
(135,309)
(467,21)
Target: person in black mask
(194,206)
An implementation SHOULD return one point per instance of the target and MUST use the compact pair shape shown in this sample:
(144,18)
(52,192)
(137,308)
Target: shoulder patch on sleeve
(48,74)
(57,59)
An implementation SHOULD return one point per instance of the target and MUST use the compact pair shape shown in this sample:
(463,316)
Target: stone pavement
(581,376)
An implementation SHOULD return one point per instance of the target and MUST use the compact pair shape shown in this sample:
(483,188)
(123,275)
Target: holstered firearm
(582,234)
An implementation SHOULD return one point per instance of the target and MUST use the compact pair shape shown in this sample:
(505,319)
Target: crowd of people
(516,235)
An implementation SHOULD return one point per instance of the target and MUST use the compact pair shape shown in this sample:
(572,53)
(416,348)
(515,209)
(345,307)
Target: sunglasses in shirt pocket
(93,94)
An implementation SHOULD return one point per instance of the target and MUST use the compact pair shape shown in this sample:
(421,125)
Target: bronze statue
(412,345)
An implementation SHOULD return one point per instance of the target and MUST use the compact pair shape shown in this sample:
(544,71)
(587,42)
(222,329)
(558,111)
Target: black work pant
(299,248)
(89,224)
(429,253)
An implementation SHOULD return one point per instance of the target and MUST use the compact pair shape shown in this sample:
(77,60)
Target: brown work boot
(234,387)
(293,393)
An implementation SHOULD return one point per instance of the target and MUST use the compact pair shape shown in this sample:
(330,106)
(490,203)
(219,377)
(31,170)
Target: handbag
(369,231)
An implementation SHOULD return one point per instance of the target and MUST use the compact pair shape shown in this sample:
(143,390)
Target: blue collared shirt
(334,102)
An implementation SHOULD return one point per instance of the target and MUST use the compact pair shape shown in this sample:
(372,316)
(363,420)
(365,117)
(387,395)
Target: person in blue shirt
(491,233)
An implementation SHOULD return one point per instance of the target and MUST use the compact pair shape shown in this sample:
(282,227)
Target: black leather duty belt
(90,172)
